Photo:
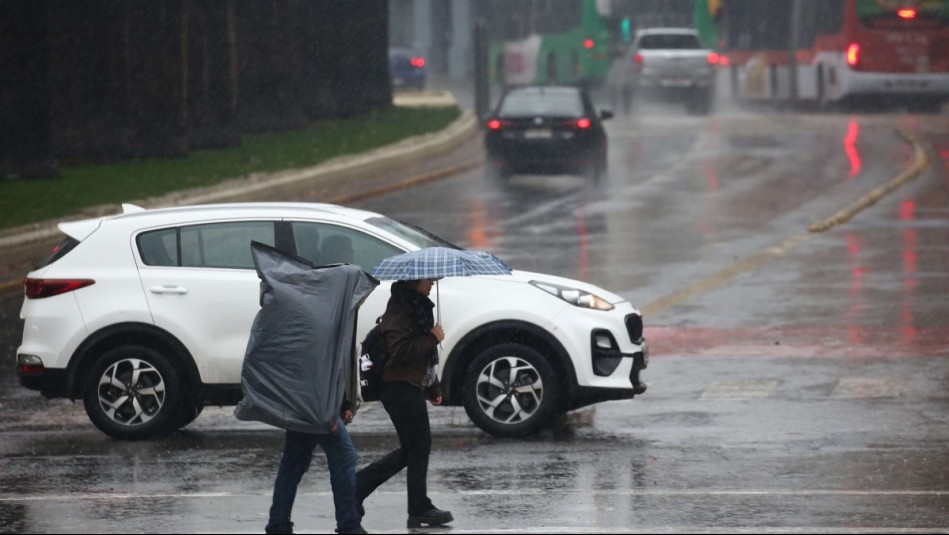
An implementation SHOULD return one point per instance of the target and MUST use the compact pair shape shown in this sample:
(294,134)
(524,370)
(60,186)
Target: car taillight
(588,43)
(40,288)
(418,62)
(583,123)
(638,58)
(494,124)
(853,54)
(906,13)
(30,365)
(713,58)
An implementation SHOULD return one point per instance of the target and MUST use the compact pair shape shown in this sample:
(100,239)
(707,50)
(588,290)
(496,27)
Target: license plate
(538,133)
(675,82)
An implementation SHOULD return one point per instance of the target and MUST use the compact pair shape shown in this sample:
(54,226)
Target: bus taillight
(906,13)
(853,54)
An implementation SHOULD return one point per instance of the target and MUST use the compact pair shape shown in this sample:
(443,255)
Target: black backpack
(371,363)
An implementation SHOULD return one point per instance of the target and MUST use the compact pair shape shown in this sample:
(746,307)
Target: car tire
(133,392)
(187,413)
(511,390)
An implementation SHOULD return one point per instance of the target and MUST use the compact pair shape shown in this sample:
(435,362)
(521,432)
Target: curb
(21,244)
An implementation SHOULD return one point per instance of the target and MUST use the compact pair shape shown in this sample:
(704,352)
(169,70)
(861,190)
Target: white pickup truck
(672,63)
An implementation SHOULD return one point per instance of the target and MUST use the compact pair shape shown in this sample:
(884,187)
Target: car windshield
(414,235)
(531,103)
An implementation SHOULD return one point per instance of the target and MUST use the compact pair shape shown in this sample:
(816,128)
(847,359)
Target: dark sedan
(546,130)
(406,68)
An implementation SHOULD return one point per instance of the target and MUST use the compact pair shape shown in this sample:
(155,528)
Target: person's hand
(438,332)
(347,417)
(437,400)
(335,426)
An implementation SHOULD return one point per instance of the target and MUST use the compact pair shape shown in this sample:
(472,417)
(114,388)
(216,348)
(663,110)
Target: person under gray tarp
(299,373)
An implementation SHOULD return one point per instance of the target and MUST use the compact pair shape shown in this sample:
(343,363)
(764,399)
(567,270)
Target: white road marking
(740,389)
(855,387)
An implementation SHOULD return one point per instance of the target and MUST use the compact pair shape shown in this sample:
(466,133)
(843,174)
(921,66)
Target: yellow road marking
(756,260)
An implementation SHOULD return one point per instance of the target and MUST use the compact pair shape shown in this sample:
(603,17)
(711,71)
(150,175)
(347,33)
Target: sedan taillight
(40,288)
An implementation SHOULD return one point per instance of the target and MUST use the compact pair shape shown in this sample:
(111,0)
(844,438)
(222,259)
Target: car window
(419,237)
(323,243)
(60,250)
(223,245)
(673,41)
(215,245)
(531,103)
(159,247)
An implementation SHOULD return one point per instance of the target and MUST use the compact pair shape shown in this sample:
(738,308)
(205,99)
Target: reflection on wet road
(803,390)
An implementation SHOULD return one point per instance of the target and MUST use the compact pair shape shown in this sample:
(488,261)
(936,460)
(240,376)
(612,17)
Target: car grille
(634,326)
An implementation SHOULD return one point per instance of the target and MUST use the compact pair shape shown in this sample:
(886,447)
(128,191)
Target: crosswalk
(760,388)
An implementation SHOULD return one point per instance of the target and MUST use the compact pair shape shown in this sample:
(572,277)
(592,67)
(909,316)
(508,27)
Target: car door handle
(168,290)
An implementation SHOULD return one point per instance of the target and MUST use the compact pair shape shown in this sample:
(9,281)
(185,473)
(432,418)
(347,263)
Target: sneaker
(432,517)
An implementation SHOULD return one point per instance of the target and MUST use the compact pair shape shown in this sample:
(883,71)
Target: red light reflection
(850,146)
(855,294)
(908,331)
(479,220)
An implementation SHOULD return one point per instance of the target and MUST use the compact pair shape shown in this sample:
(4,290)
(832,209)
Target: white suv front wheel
(132,392)
(511,390)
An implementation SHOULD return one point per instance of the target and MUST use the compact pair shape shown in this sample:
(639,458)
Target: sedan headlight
(574,296)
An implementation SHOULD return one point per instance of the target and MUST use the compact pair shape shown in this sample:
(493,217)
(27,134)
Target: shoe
(286,527)
(639,388)
(432,517)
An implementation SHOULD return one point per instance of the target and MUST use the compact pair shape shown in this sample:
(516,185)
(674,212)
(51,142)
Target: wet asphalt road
(797,383)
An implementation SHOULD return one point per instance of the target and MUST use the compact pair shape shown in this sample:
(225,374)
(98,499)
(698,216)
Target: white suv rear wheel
(132,392)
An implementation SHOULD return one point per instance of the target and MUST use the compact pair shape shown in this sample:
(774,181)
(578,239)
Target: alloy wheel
(131,392)
(510,390)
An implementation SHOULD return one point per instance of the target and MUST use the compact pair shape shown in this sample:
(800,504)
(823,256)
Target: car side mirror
(606,114)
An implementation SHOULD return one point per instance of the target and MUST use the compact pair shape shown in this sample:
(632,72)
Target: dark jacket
(410,344)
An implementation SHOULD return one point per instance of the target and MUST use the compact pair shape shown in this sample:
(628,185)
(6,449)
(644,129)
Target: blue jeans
(297,454)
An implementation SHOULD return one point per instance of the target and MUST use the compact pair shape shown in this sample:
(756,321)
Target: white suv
(146,315)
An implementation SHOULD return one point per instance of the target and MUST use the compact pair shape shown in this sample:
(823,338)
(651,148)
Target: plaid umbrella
(438,262)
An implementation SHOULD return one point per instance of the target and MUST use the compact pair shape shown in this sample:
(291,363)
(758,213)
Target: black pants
(406,405)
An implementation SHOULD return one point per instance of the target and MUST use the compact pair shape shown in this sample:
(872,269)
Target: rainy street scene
(474,266)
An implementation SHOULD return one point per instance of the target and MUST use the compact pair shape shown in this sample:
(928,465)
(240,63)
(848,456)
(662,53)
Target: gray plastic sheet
(300,358)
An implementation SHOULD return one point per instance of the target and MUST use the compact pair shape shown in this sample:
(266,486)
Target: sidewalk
(21,246)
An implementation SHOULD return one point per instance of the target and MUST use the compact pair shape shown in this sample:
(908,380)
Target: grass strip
(81,186)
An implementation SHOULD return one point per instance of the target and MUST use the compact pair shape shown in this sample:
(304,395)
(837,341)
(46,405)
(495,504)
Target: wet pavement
(797,382)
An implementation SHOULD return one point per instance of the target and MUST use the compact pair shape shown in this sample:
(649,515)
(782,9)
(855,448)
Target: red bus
(846,50)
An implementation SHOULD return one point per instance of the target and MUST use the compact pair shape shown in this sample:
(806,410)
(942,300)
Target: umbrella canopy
(439,262)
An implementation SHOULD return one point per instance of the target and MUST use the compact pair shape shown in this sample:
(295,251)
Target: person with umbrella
(409,379)
(412,337)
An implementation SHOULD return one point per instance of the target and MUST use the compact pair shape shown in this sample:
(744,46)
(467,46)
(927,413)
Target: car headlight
(574,296)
